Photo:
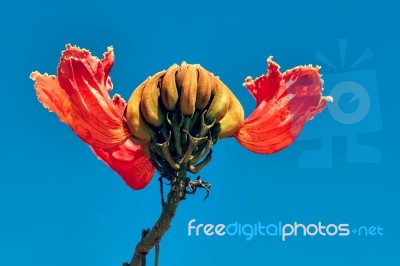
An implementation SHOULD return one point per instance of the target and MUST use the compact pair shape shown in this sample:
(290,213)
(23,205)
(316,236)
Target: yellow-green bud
(178,114)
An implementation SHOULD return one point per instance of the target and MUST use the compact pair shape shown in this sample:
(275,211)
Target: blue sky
(58,203)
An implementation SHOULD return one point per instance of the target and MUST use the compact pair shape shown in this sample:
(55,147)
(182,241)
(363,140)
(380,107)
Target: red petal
(83,85)
(129,162)
(51,95)
(266,86)
(284,103)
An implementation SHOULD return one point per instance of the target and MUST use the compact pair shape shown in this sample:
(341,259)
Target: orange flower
(79,95)
(284,103)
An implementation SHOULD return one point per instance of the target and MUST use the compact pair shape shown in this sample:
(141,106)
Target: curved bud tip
(150,101)
(233,119)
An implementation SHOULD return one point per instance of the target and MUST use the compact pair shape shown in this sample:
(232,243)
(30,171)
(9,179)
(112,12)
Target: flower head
(173,118)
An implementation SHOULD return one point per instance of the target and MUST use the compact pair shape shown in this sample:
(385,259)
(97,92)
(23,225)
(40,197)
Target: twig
(161,191)
(178,185)
(157,247)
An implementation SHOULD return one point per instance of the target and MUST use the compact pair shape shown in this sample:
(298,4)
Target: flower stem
(163,223)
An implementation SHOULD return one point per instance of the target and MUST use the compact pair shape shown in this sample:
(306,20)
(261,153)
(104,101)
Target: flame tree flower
(173,119)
